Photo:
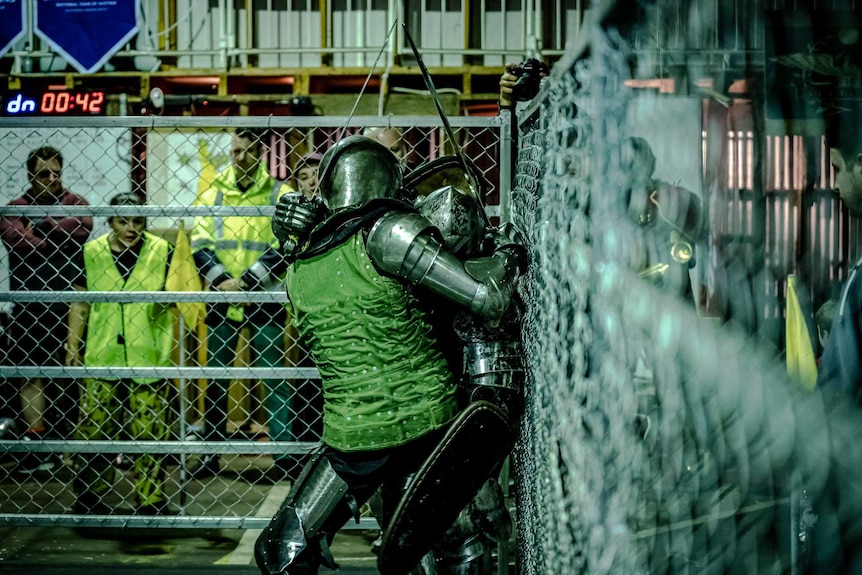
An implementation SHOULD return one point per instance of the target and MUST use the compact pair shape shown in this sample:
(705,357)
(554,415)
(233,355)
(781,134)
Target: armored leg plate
(472,449)
(313,500)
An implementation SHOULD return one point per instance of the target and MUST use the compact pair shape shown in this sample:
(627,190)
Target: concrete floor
(76,551)
(242,489)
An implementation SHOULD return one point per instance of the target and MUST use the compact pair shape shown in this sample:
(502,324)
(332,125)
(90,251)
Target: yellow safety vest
(238,241)
(128,334)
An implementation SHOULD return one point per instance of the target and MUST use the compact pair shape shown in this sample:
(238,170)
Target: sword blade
(471,178)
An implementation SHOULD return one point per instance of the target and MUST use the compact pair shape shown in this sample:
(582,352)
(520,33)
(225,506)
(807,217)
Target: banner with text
(11,23)
(87,32)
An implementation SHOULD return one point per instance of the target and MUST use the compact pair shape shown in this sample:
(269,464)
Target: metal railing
(301,35)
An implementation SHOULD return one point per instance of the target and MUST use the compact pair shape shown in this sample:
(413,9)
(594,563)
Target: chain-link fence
(662,433)
(169,419)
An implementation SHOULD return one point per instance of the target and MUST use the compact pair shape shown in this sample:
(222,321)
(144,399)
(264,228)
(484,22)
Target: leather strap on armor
(342,225)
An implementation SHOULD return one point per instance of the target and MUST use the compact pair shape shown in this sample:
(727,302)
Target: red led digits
(53,102)
(82,100)
(49,99)
(96,102)
(62,102)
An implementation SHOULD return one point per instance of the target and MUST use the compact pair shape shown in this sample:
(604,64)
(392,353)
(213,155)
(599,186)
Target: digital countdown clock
(54,103)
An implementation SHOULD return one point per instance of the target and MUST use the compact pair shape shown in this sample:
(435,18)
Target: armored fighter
(365,264)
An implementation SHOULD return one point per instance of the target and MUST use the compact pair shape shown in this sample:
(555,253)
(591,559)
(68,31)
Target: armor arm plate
(406,245)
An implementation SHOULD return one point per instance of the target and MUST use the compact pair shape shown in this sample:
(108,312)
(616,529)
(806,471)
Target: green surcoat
(385,381)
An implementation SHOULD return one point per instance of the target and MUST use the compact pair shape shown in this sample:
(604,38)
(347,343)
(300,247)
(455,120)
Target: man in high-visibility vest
(122,334)
(229,253)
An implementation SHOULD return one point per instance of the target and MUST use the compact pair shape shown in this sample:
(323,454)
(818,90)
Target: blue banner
(86,32)
(11,23)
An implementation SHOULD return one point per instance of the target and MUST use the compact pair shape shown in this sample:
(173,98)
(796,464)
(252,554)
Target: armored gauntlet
(295,216)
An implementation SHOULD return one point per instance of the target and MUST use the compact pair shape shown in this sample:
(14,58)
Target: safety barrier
(170,162)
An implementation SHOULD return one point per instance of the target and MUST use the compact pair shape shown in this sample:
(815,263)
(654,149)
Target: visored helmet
(445,170)
(358,169)
(458,218)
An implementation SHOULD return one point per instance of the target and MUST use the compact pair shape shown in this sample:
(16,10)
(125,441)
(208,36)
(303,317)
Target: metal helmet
(358,169)
(458,218)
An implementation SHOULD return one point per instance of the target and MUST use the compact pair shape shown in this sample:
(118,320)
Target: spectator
(834,544)
(507,80)
(823,319)
(840,364)
(520,82)
(305,173)
(41,255)
(528,86)
(392,138)
(307,401)
(670,217)
(233,253)
(134,334)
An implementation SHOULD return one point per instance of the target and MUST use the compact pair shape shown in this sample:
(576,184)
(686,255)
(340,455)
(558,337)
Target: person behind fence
(520,82)
(670,221)
(229,253)
(122,334)
(308,402)
(390,397)
(305,173)
(834,545)
(823,318)
(42,254)
(841,363)
(393,139)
